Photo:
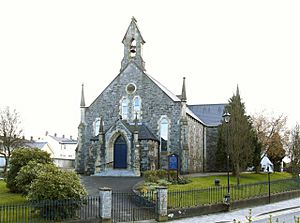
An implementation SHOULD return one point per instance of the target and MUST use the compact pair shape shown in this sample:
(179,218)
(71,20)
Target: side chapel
(136,122)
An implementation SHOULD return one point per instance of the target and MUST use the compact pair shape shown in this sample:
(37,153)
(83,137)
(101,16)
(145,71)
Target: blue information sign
(173,162)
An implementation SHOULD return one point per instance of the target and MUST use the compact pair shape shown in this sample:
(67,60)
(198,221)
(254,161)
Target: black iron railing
(50,210)
(215,195)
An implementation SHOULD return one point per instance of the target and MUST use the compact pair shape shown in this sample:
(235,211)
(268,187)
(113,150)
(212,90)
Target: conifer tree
(238,136)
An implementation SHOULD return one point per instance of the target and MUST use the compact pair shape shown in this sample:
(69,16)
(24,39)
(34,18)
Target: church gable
(131,92)
(136,122)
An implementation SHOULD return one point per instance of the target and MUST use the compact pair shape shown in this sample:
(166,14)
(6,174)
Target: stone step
(116,173)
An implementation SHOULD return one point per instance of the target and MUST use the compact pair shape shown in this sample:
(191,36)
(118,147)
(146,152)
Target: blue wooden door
(120,153)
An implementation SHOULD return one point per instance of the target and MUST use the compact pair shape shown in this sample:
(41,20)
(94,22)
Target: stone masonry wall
(195,144)
(154,104)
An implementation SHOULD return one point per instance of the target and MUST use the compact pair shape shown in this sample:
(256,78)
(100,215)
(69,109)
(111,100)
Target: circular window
(130,88)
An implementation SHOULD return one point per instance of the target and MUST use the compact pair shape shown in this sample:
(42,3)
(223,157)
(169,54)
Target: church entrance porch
(120,153)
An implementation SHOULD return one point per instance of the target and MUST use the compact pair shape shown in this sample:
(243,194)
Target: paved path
(260,214)
(122,184)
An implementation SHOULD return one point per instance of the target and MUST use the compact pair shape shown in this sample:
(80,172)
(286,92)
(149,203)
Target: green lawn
(246,178)
(9,198)
(201,191)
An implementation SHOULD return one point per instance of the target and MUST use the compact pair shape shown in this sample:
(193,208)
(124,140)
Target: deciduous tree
(10,133)
(275,151)
(267,126)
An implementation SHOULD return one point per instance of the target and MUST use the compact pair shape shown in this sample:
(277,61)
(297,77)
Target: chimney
(63,136)
(55,134)
(46,133)
(31,138)
(71,137)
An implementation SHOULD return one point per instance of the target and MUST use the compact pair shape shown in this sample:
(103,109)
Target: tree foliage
(28,173)
(60,185)
(266,127)
(257,152)
(238,136)
(10,133)
(21,157)
(275,151)
(294,150)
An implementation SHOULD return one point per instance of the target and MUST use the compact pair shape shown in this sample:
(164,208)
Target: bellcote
(133,42)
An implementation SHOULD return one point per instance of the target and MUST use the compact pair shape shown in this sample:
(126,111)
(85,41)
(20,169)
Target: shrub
(21,157)
(55,184)
(28,173)
(57,187)
(155,175)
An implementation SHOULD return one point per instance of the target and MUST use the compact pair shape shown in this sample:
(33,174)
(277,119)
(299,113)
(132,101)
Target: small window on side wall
(164,134)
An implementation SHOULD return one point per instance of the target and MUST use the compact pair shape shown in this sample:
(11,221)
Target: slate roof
(38,145)
(210,114)
(62,140)
(144,132)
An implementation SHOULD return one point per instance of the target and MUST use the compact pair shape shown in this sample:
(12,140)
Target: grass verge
(9,198)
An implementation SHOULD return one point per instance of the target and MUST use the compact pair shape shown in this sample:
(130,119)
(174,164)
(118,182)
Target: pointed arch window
(164,134)
(137,103)
(96,126)
(124,108)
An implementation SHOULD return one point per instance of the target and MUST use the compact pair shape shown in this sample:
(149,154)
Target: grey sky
(48,48)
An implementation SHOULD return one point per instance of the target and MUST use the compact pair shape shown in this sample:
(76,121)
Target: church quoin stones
(135,123)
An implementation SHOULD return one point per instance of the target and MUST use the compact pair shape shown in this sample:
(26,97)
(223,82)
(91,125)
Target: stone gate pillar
(162,204)
(105,208)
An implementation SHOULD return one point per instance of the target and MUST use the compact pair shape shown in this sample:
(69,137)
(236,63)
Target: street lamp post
(269,183)
(226,117)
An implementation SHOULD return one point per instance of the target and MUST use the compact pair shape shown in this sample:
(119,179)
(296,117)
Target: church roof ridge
(208,104)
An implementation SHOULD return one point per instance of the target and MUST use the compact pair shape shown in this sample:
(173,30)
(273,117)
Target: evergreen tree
(257,153)
(238,136)
(221,149)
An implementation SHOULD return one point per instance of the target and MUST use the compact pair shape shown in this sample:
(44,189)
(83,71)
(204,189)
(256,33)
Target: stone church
(136,123)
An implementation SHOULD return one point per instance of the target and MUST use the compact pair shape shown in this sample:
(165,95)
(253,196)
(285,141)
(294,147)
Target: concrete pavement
(260,214)
(123,184)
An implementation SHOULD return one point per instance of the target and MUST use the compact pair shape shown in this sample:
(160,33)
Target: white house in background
(42,145)
(265,163)
(61,149)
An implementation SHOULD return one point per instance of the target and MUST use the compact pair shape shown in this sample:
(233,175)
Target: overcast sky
(49,48)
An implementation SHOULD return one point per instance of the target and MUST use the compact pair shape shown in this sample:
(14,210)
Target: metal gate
(130,207)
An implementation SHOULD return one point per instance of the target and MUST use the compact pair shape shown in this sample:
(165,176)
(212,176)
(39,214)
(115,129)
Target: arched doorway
(120,153)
